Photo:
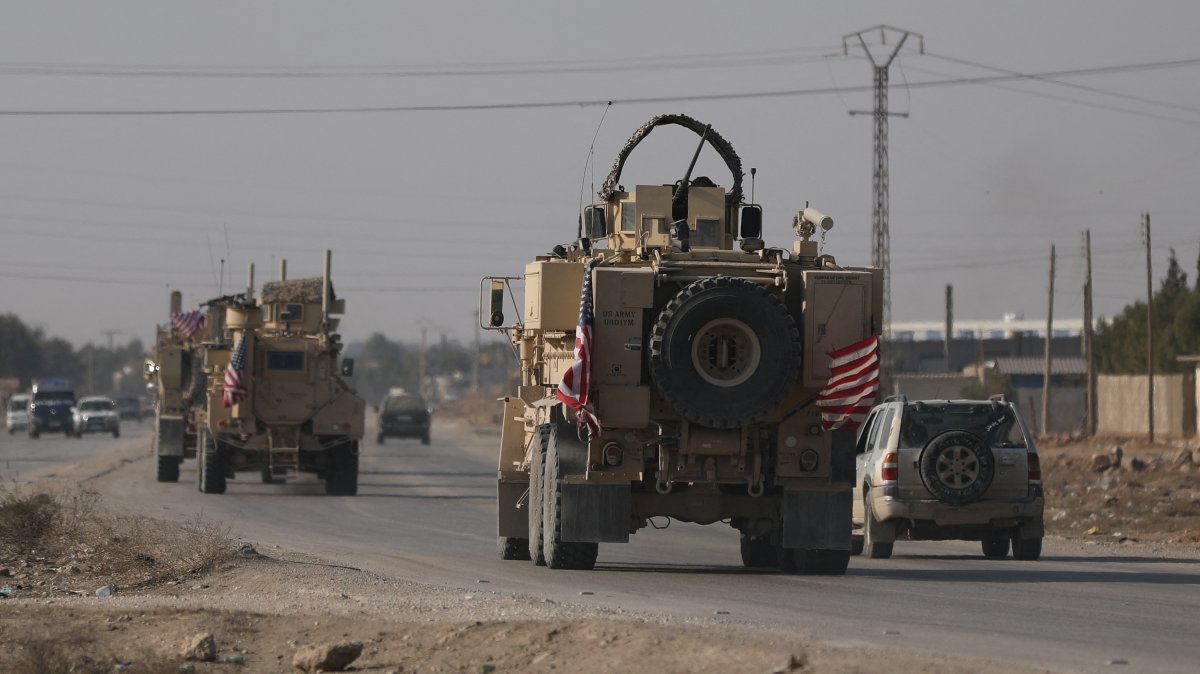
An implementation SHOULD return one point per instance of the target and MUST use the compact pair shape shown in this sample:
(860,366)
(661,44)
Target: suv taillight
(890,472)
(1035,467)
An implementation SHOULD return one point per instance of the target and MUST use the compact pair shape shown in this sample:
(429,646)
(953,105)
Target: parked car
(96,414)
(16,417)
(129,407)
(404,416)
(948,470)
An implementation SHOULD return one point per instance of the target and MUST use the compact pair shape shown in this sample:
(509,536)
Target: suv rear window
(998,426)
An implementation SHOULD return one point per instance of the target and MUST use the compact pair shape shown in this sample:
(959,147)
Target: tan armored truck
(276,404)
(707,352)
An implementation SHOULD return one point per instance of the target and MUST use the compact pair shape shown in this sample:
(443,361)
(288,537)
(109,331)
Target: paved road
(427,514)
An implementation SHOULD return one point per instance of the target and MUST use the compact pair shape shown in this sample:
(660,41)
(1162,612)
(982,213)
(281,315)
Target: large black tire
(168,468)
(116,432)
(210,466)
(724,352)
(34,433)
(995,547)
(1026,549)
(873,531)
(957,467)
(563,446)
(342,477)
(268,478)
(757,552)
(512,548)
(425,438)
(537,468)
(814,562)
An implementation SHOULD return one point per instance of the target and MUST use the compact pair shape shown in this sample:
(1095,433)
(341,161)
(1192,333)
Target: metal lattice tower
(880,237)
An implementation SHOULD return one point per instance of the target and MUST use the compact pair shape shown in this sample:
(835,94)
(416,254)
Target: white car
(96,414)
(16,418)
(948,470)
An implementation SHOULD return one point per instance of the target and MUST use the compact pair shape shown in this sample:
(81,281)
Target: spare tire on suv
(724,352)
(957,467)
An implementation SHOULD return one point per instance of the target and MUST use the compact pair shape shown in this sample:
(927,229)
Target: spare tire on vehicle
(724,352)
(957,467)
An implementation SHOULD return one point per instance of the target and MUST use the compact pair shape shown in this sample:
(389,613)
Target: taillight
(1035,467)
(890,472)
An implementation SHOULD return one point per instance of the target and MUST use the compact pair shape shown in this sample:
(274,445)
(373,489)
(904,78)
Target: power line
(636,100)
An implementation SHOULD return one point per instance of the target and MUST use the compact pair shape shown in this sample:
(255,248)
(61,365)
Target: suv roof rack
(899,397)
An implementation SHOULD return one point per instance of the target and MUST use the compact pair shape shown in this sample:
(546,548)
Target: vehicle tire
(757,552)
(168,468)
(116,432)
(268,478)
(995,547)
(379,439)
(1026,549)
(873,531)
(210,468)
(856,544)
(957,467)
(425,438)
(33,433)
(724,352)
(560,554)
(537,467)
(814,562)
(342,478)
(512,548)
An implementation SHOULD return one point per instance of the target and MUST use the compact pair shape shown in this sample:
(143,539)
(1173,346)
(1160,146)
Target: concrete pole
(1149,330)
(1046,367)
(1088,352)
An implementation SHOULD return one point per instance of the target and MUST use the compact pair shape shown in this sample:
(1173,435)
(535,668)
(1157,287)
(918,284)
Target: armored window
(285,361)
(628,216)
(655,225)
(292,312)
(708,233)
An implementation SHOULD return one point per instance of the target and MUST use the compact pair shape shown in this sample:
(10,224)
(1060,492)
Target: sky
(102,215)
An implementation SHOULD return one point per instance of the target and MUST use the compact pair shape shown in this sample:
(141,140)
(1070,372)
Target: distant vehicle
(948,470)
(404,416)
(50,407)
(16,417)
(129,407)
(97,414)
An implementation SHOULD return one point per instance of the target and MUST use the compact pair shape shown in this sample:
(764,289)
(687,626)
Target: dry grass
(45,656)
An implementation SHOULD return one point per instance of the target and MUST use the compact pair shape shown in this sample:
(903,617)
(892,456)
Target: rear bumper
(403,430)
(984,514)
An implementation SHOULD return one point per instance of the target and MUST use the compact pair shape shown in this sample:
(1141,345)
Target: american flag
(853,383)
(577,381)
(234,390)
(186,323)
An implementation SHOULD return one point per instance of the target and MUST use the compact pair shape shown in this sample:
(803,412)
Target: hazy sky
(101,215)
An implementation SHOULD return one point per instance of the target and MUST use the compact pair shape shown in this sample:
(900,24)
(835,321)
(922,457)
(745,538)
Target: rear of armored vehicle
(705,365)
(277,405)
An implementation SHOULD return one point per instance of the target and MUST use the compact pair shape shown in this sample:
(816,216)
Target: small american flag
(577,381)
(853,384)
(186,323)
(234,390)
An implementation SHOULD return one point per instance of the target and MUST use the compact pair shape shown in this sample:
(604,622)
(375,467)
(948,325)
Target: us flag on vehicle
(853,383)
(577,381)
(186,323)
(234,390)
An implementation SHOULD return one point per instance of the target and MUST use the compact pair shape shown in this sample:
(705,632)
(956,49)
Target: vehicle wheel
(1026,549)
(342,479)
(11,431)
(757,552)
(995,547)
(379,439)
(537,466)
(512,548)
(856,544)
(33,433)
(814,562)
(210,469)
(425,438)
(873,531)
(268,478)
(168,468)
(957,467)
(560,554)
(724,352)
(116,432)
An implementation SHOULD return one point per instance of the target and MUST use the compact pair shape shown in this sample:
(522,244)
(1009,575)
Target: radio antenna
(586,163)
(752,172)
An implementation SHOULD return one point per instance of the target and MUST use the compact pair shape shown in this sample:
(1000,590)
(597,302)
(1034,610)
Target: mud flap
(817,520)
(595,513)
(169,439)
(512,522)
(1032,529)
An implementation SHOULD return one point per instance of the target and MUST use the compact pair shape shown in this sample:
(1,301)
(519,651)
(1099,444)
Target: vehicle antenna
(679,200)
(588,162)
(753,171)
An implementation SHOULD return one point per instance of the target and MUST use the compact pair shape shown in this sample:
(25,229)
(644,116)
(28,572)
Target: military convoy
(697,364)
(259,389)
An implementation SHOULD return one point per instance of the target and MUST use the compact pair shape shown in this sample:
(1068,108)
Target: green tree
(1121,344)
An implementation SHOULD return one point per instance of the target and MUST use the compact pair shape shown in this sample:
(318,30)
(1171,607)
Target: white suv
(16,417)
(948,470)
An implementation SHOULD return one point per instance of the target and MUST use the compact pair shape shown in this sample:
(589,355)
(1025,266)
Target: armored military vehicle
(670,364)
(276,404)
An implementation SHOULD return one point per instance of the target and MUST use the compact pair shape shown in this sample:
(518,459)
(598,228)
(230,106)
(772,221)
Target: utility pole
(949,325)
(1046,366)
(880,238)
(110,333)
(1090,423)
(1149,329)
(421,366)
